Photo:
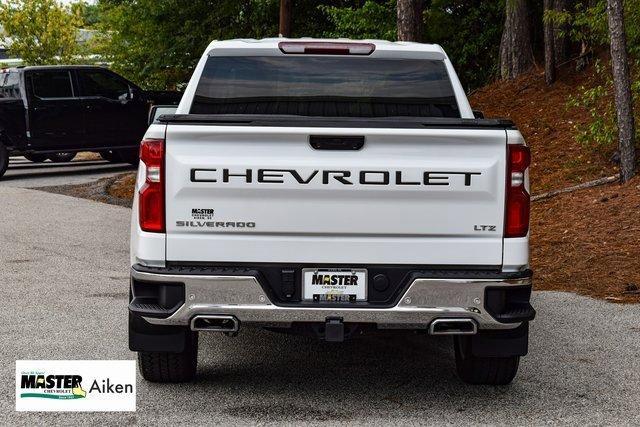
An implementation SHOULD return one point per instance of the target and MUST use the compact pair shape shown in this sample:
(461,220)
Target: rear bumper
(493,303)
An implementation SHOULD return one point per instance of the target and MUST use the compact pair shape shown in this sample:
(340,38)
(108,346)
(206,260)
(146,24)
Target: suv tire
(35,157)
(163,367)
(484,370)
(129,155)
(109,156)
(62,157)
(4,159)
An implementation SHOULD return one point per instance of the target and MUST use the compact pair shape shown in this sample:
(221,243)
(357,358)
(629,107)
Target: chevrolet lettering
(345,177)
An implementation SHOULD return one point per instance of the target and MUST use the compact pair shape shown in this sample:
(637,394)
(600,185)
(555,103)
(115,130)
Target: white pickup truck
(335,188)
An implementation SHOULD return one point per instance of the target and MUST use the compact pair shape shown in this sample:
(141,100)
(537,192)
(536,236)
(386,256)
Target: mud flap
(143,336)
(499,343)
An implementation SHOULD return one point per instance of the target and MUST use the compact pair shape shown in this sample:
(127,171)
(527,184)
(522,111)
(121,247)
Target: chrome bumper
(242,296)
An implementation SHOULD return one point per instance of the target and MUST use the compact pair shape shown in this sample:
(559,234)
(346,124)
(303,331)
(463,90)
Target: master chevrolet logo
(345,177)
(53,386)
(200,213)
(75,385)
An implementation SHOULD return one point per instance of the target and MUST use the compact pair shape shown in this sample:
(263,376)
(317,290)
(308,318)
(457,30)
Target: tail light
(518,199)
(151,195)
(327,48)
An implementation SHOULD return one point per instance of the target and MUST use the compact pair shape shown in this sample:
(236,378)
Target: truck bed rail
(399,122)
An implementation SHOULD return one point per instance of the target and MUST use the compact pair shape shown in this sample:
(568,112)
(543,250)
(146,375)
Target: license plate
(339,285)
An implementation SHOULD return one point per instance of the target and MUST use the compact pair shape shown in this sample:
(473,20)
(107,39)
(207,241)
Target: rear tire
(109,156)
(35,157)
(62,157)
(483,370)
(162,367)
(130,156)
(4,159)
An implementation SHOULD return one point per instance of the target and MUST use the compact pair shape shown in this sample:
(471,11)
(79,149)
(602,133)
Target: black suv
(55,111)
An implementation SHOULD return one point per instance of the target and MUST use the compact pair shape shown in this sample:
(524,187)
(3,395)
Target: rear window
(102,84)
(10,85)
(51,84)
(326,86)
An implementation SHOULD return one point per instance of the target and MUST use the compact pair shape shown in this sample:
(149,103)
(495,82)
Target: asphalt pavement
(64,272)
(27,174)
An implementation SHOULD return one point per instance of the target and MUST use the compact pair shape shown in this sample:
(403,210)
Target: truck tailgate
(262,194)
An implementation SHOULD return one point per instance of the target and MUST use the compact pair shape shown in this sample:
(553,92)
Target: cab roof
(50,67)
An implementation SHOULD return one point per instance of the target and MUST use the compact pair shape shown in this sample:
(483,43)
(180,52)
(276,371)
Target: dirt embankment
(587,241)
(548,124)
(116,190)
(123,186)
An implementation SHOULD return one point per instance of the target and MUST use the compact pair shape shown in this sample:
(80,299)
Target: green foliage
(601,131)
(589,26)
(374,20)
(157,43)
(89,12)
(470,33)
(309,19)
(468,30)
(41,31)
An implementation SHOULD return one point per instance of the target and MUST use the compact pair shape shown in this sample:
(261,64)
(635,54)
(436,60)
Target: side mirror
(126,97)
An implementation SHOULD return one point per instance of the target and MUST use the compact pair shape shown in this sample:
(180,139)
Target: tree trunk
(409,20)
(622,88)
(418,8)
(516,55)
(285,18)
(549,47)
(562,42)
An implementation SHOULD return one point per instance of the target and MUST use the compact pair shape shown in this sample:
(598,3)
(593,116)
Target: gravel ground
(64,273)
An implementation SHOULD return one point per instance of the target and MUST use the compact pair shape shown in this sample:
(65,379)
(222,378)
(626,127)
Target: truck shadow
(263,376)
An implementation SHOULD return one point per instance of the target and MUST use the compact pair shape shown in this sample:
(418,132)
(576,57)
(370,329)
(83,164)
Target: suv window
(10,85)
(326,86)
(100,83)
(159,110)
(51,84)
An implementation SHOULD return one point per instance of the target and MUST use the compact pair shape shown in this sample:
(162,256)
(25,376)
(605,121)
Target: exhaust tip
(453,327)
(215,323)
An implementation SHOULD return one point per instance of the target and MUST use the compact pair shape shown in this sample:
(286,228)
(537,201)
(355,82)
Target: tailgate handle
(333,142)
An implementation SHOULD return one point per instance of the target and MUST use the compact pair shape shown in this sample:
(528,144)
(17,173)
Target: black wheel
(109,156)
(483,370)
(61,157)
(4,159)
(36,158)
(130,156)
(161,367)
